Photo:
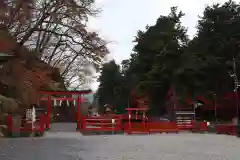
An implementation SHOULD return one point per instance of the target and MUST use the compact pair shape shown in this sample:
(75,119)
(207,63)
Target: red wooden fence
(102,124)
(39,125)
(199,126)
(163,127)
(203,126)
(107,124)
(226,129)
(136,128)
(159,127)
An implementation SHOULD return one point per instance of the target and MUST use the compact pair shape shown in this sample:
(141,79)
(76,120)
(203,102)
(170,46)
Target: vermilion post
(83,123)
(42,123)
(79,101)
(48,118)
(9,123)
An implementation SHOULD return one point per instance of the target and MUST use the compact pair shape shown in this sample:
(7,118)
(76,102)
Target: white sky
(121,19)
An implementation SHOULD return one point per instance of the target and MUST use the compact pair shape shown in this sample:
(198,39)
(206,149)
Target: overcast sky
(121,19)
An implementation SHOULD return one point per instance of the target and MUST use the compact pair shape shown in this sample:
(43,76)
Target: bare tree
(57,31)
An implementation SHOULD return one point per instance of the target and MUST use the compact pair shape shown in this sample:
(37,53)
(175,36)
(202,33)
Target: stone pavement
(62,145)
(63,127)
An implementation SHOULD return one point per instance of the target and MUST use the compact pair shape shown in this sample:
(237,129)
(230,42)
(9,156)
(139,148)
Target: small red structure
(49,104)
(142,117)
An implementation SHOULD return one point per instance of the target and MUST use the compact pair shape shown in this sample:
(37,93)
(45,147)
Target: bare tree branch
(57,31)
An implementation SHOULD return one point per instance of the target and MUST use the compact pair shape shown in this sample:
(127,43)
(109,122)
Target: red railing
(114,123)
(226,129)
(150,127)
(135,127)
(27,127)
(163,127)
(159,127)
(193,126)
(103,124)
(203,126)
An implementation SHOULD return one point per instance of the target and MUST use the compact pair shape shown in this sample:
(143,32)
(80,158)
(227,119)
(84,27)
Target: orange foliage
(27,81)
(24,74)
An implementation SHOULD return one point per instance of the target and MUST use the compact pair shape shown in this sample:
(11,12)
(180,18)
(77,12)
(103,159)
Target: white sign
(129,116)
(33,117)
(33,114)
(113,121)
(54,102)
(59,102)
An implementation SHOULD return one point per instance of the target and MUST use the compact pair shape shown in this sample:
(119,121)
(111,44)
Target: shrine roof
(51,92)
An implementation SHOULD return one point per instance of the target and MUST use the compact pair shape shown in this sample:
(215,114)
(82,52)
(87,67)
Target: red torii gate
(49,103)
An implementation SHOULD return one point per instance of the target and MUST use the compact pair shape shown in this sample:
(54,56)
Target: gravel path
(163,147)
(74,146)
